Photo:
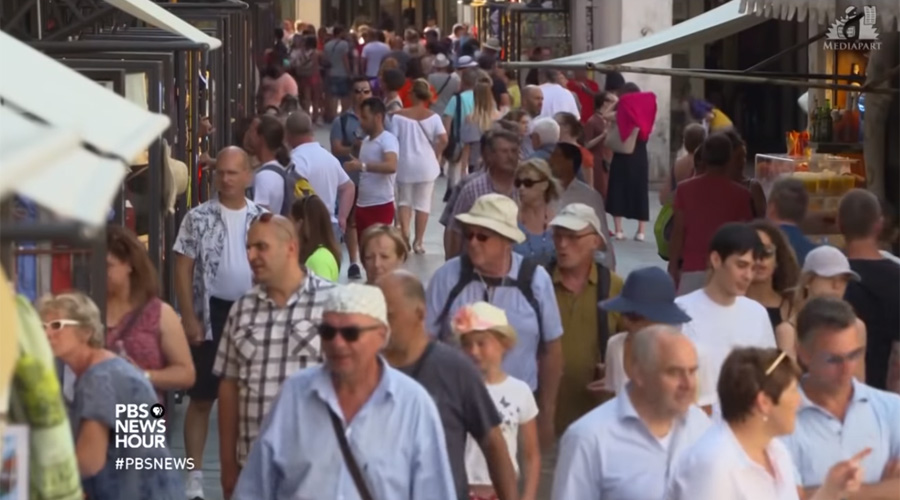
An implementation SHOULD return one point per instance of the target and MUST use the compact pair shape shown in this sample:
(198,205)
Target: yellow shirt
(515,96)
(323,263)
(580,345)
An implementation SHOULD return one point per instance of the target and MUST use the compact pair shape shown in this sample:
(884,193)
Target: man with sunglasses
(353,427)
(490,271)
(837,412)
(346,140)
(465,406)
(211,272)
(269,335)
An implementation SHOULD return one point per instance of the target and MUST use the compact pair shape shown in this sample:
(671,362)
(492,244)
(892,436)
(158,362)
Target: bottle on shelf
(813,120)
(827,122)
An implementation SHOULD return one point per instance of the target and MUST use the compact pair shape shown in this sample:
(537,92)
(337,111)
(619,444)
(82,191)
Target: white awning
(708,27)
(68,100)
(50,166)
(154,15)
(43,133)
(823,12)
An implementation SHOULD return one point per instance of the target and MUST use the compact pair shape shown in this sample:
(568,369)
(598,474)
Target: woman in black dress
(629,184)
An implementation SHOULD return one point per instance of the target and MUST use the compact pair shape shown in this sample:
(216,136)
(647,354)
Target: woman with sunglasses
(740,458)
(75,333)
(319,249)
(774,277)
(538,190)
(142,328)
(826,273)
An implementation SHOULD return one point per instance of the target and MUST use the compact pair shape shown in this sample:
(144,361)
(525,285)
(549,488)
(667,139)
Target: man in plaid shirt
(270,334)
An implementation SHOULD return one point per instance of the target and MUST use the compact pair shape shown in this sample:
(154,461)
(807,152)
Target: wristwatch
(364,167)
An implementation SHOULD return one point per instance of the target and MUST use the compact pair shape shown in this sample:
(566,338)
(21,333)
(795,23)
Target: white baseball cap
(576,217)
(828,262)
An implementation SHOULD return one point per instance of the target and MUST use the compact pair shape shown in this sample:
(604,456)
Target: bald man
(270,334)
(644,428)
(465,406)
(325,174)
(211,272)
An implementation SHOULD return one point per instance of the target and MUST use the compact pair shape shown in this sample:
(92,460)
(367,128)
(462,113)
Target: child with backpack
(485,335)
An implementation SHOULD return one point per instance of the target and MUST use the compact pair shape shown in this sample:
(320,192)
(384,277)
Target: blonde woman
(826,273)
(383,251)
(484,114)
(538,191)
(104,380)
(422,139)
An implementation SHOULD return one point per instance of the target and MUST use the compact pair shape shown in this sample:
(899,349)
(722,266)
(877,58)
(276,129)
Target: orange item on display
(61,275)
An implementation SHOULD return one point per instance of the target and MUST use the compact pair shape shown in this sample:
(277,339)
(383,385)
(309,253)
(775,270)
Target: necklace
(490,289)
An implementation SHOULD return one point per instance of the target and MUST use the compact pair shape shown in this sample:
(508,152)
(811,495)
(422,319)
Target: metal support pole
(110,46)
(792,48)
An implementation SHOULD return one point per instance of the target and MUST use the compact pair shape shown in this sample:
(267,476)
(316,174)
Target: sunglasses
(264,217)
(350,333)
(768,251)
(55,326)
(470,235)
(362,91)
(528,183)
(774,365)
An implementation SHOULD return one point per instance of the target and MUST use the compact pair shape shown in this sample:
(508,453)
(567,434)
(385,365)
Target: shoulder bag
(349,459)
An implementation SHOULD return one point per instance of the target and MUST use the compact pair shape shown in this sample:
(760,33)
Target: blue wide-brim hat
(649,293)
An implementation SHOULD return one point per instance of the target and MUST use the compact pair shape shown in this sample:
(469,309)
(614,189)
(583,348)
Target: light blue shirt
(609,454)
(520,361)
(820,440)
(396,438)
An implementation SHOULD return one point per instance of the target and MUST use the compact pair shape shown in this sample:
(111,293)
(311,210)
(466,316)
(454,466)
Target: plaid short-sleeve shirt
(263,344)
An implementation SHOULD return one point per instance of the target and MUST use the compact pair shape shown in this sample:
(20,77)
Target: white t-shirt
(323,171)
(374,53)
(558,99)
(233,278)
(376,189)
(717,329)
(268,188)
(416,161)
(516,405)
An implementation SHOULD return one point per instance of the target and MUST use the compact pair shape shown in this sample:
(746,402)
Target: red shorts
(376,214)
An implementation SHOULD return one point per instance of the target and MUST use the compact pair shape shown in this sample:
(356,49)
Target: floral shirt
(202,238)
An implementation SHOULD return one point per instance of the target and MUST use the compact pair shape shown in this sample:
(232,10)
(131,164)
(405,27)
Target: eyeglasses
(528,183)
(837,359)
(350,333)
(481,237)
(55,326)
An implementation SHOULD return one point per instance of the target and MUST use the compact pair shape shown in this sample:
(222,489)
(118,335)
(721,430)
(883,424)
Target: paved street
(630,255)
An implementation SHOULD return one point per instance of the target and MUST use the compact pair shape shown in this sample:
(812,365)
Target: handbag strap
(349,459)
(132,321)
(427,137)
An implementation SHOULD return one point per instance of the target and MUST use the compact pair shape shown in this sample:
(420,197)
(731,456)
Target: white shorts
(416,195)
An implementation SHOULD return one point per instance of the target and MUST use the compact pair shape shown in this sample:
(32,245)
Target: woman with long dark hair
(629,176)
(774,278)
(140,326)
(319,249)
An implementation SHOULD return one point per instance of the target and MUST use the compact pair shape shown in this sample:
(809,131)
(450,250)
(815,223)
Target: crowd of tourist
(757,366)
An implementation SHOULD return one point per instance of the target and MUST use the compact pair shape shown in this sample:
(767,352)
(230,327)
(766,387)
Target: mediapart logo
(140,426)
(856,30)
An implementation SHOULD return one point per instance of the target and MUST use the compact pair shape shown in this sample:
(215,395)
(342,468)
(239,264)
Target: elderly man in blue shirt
(625,448)
(353,428)
(839,415)
(489,271)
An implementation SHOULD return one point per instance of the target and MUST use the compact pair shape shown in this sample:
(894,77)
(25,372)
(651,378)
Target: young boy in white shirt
(485,335)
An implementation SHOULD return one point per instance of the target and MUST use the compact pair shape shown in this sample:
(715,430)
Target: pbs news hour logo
(143,427)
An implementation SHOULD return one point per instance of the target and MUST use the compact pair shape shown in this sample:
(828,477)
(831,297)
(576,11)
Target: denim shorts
(338,86)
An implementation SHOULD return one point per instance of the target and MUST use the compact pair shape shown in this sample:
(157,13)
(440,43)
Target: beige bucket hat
(496,213)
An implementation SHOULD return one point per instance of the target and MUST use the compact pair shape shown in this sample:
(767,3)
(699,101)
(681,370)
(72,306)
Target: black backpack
(467,275)
(523,282)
